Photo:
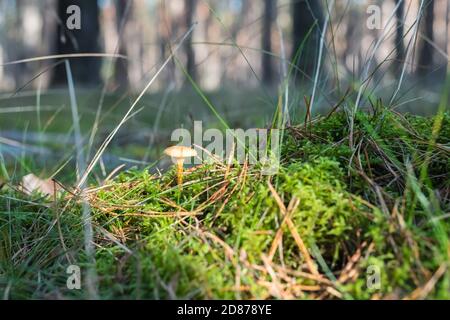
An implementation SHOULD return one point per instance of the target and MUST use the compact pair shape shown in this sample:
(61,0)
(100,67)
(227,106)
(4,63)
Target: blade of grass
(91,278)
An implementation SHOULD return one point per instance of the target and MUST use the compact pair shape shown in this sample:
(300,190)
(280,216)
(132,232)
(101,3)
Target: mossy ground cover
(337,211)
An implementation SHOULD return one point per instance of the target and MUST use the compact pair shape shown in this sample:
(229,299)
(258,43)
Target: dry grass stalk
(294,232)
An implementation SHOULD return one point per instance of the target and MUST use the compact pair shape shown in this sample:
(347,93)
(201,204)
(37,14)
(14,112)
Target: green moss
(366,201)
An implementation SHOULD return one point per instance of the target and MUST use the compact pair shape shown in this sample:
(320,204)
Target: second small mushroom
(179,155)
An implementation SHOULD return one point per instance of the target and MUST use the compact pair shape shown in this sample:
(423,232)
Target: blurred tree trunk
(266,41)
(306,15)
(165,29)
(447,7)
(235,30)
(121,65)
(17,50)
(189,11)
(239,20)
(85,71)
(425,48)
(399,43)
(351,57)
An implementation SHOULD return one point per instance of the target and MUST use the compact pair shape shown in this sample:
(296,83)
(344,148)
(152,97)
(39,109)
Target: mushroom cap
(180,152)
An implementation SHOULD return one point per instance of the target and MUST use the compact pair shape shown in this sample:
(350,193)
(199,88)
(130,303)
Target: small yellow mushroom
(179,154)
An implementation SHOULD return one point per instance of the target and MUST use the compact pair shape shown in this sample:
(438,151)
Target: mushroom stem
(180,172)
(179,154)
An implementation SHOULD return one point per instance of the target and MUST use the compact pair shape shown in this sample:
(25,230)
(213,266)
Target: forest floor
(335,222)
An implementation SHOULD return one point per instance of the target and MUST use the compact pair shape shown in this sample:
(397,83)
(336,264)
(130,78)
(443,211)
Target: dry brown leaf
(31,183)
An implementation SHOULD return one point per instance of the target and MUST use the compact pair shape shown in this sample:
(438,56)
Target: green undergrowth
(372,212)
(326,216)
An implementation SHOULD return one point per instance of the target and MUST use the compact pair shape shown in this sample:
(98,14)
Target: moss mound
(335,222)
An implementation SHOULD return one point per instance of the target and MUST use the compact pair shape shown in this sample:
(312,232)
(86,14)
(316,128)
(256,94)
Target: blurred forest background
(236,42)
(239,53)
